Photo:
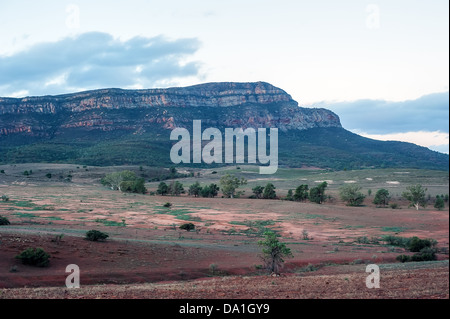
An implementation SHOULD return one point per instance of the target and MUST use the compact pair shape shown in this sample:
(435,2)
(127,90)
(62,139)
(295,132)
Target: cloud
(437,141)
(429,113)
(96,60)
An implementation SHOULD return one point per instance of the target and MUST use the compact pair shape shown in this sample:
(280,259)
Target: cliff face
(216,104)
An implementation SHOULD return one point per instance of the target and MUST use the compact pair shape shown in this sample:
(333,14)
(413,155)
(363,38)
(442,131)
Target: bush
(95,235)
(403,258)
(425,254)
(5,198)
(4,221)
(352,195)
(393,205)
(34,257)
(416,244)
(188,226)
(396,241)
(168,205)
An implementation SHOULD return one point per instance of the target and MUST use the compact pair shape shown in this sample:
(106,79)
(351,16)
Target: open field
(146,248)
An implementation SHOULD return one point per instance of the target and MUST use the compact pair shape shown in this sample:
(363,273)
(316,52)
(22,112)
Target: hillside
(115,126)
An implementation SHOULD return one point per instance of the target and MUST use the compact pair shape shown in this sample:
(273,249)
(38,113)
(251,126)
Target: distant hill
(115,126)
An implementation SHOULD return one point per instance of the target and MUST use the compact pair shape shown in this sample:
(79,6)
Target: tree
(301,193)
(290,195)
(134,186)
(210,191)
(352,195)
(176,188)
(269,191)
(439,204)
(195,189)
(415,195)
(317,194)
(229,184)
(382,197)
(115,180)
(163,189)
(274,252)
(258,190)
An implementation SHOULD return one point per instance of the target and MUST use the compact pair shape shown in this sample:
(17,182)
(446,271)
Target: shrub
(5,198)
(425,254)
(96,235)
(352,195)
(439,204)
(34,257)
(393,205)
(188,226)
(416,244)
(48,175)
(4,221)
(168,205)
(403,258)
(396,241)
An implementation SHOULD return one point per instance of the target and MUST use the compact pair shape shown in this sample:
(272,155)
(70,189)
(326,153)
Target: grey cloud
(428,113)
(95,60)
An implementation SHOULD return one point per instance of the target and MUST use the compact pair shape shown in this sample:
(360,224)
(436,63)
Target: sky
(382,66)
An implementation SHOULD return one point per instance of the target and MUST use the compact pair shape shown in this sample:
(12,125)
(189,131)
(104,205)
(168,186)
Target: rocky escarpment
(216,104)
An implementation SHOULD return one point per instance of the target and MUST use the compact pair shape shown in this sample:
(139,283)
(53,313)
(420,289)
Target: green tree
(273,252)
(229,184)
(210,190)
(176,188)
(290,195)
(382,197)
(415,195)
(195,189)
(134,186)
(301,193)
(258,190)
(439,204)
(352,195)
(116,180)
(269,191)
(317,194)
(163,189)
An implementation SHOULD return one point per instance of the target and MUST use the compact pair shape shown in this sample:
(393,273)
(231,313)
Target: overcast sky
(381,65)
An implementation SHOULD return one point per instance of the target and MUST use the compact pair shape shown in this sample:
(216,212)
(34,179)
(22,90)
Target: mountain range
(117,126)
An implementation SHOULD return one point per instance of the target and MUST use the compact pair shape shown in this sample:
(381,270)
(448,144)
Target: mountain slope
(115,126)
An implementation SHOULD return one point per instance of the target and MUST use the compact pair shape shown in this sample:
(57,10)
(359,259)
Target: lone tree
(229,184)
(352,195)
(416,196)
(317,194)
(269,191)
(382,197)
(274,252)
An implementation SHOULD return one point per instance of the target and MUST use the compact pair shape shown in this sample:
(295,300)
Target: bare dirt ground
(148,256)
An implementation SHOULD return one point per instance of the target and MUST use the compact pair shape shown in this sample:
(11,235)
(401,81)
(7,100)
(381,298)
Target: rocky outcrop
(217,104)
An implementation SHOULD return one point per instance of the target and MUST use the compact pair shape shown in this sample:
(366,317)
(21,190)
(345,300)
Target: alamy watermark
(373,280)
(234,152)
